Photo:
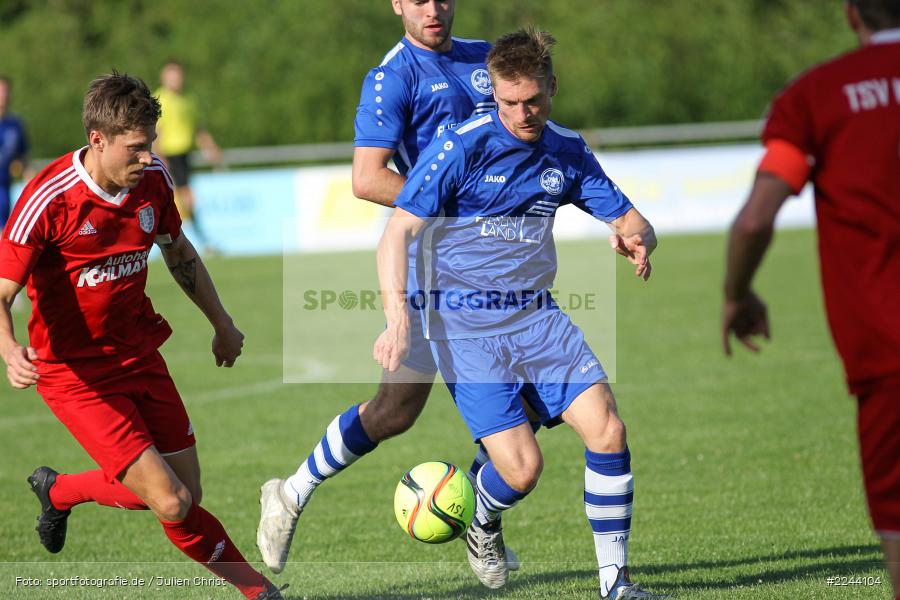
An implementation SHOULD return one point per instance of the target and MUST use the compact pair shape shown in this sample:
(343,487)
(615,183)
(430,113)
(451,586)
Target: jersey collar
(430,54)
(92,185)
(885,36)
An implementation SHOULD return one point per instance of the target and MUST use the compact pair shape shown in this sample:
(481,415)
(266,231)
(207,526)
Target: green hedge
(288,71)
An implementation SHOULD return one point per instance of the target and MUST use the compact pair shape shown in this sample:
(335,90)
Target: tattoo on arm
(185,273)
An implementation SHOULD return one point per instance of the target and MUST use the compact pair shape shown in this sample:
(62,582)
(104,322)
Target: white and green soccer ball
(434,502)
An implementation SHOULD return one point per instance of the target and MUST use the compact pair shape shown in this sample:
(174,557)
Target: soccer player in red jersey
(839,126)
(79,239)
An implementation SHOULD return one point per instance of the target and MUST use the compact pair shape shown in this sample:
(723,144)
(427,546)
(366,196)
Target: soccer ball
(434,502)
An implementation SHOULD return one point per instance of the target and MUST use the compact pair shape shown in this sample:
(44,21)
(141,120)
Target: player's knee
(394,409)
(524,475)
(173,505)
(615,433)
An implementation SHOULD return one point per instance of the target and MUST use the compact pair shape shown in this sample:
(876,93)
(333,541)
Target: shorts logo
(146,219)
(481,81)
(552,180)
(190,428)
(591,363)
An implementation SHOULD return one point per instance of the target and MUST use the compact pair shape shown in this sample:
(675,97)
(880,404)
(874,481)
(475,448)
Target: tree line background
(271,72)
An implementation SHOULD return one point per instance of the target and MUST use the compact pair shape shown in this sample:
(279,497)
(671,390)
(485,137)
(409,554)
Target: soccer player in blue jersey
(496,181)
(427,84)
(13,150)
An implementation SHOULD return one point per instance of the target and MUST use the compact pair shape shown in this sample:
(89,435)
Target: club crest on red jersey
(146,219)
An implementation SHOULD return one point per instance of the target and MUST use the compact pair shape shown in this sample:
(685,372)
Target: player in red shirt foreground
(79,238)
(839,125)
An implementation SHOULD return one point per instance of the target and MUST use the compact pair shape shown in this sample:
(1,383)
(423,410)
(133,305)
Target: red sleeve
(169,220)
(790,117)
(26,233)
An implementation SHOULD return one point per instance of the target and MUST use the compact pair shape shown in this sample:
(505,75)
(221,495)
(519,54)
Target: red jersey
(82,255)
(845,114)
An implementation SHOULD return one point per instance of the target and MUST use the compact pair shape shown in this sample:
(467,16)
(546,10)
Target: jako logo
(495,178)
(440,86)
(591,363)
(114,268)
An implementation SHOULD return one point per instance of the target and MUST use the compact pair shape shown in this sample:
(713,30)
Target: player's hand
(745,318)
(633,248)
(392,346)
(227,344)
(20,369)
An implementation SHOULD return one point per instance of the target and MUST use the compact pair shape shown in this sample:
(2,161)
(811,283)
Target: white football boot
(623,589)
(487,554)
(277,523)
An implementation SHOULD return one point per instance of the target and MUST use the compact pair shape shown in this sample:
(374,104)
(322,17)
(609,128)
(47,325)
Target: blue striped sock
(344,442)
(480,458)
(493,495)
(608,494)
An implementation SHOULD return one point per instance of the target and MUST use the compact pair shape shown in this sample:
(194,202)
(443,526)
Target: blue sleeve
(435,179)
(383,111)
(12,140)
(596,193)
(23,141)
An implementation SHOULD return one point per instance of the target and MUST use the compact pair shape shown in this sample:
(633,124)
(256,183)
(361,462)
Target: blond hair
(523,53)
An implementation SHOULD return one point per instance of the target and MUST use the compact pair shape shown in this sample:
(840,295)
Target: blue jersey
(13,145)
(487,265)
(416,94)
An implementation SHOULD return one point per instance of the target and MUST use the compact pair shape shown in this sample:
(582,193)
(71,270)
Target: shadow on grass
(835,561)
(671,578)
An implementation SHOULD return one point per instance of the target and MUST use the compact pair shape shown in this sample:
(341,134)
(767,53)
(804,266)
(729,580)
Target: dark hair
(523,53)
(878,14)
(117,103)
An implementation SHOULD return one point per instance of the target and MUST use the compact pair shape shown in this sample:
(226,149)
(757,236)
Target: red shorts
(879,445)
(117,412)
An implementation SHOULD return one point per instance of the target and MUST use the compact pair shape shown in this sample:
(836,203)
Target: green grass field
(747,477)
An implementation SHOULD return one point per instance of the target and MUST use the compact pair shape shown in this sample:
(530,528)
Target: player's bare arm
(20,369)
(635,239)
(393,343)
(189,271)
(372,179)
(744,313)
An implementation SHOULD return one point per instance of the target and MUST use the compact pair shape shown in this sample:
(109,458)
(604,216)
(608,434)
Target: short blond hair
(523,53)
(117,103)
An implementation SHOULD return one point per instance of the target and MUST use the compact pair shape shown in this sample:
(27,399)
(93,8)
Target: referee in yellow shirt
(178,133)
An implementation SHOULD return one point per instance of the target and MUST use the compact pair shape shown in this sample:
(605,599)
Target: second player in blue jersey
(483,197)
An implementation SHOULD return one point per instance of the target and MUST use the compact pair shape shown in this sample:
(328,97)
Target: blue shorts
(547,362)
(419,358)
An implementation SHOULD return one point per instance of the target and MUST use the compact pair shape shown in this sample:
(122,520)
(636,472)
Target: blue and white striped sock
(480,459)
(493,495)
(344,442)
(608,494)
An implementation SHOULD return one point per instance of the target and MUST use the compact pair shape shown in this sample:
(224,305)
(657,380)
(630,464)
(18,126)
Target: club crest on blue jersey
(146,219)
(481,81)
(552,181)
